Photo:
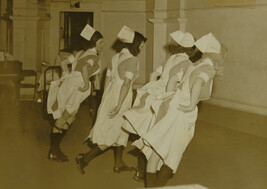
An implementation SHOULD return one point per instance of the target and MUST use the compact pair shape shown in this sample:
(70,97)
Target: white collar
(82,53)
(182,54)
(91,51)
(204,61)
(125,50)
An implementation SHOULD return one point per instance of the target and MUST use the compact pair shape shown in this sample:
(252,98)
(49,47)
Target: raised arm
(195,92)
(94,66)
(128,77)
(108,76)
(85,76)
(175,76)
(172,83)
(205,74)
(123,93)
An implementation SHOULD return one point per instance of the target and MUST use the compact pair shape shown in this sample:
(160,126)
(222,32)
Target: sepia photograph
(133,94)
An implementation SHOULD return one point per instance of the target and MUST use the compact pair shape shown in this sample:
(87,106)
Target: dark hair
(175,49)
(132,47)
(197,55)
(92,43)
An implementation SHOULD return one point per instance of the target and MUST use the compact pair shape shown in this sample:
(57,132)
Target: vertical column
(159,39)
(164,22)
(159,32)
(182,17)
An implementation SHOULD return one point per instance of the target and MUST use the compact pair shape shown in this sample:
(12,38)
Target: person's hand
(186,108)
(83,89)
(114,112)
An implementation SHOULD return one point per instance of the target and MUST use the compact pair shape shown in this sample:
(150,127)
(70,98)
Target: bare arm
(108,76)
(154,75)
(195,92)
(123,93)
(85,78)
(94,66)
(172,83)
(107,81)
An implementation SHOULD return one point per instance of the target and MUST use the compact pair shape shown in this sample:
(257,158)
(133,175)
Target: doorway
(71,25)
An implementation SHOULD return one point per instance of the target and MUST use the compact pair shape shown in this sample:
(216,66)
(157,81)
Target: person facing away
(173,129)
(66,94)
(141,117)
(117,98)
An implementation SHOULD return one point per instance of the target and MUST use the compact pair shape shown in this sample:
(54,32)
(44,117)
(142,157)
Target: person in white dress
(141,117)
(66,94)
(117,98)
(174,127)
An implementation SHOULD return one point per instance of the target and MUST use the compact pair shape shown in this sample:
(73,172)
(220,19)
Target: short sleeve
(206,73)
(130,68)
(204,76)
(131,65)
(91,62)
(159,69)
(109,68)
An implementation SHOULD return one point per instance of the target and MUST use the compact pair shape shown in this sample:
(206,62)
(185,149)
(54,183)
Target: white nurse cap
(87,32)
(126,34)
(184,39)
(208,44)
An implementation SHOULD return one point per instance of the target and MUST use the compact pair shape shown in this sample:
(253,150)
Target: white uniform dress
(65,90)
(141,117)
(106,131)
(171,134)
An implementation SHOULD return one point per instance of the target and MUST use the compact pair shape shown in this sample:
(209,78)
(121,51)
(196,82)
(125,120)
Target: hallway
(217,157)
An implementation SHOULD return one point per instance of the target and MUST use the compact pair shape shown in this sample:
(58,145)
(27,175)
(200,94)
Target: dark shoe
(123,168)
(54,152)
(56,157)
(89,143)
(62,155)
(139,177)
(81,164)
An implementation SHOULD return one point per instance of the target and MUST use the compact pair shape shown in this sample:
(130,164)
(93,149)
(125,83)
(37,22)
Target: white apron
(108,132)
(140,117)
(171,135)
(65,90)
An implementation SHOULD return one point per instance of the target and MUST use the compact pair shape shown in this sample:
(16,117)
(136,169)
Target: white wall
(243,31)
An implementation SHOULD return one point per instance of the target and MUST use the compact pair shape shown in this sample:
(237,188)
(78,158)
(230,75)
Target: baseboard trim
(238,106)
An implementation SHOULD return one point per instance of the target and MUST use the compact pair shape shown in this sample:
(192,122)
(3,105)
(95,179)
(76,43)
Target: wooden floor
(218,157)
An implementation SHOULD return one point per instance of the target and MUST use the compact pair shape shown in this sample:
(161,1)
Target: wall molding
(238,106)
(245,6)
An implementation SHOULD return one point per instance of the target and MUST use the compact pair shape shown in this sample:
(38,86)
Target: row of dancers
(163,114)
